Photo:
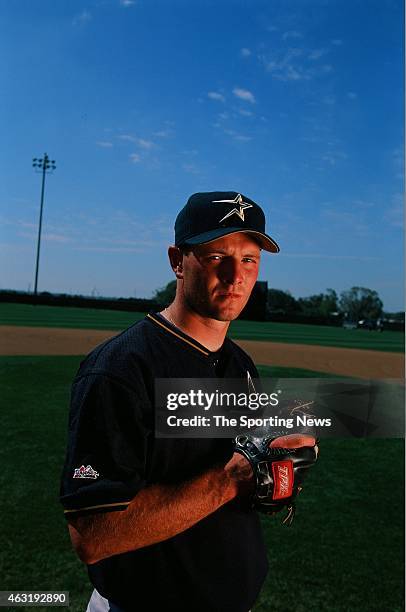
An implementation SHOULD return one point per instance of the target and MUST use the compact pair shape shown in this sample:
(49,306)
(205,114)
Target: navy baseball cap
(211,215)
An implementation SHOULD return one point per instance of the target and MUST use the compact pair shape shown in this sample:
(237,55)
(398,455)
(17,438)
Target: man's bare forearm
(158,512)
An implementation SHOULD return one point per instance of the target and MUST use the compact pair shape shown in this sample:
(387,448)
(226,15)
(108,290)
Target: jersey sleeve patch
(107,445)
(85,472)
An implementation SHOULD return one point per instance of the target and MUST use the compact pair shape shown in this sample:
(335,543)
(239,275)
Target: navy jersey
(219,564)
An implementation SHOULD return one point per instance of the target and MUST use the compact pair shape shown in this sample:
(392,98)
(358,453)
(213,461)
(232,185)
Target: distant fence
(78,301)
(255,310)
(305,319)
(336,321)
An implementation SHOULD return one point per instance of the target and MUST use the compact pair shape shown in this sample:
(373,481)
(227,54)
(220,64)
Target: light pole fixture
(45,165)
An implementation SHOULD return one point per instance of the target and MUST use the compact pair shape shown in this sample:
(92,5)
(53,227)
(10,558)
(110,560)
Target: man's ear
(176,260)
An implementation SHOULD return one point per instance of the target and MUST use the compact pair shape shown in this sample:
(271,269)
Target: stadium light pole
(45,165)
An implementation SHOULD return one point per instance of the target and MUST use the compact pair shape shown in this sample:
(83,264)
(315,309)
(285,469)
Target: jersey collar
(159,320)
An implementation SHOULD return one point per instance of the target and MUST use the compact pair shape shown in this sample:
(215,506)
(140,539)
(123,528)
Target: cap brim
(264,241)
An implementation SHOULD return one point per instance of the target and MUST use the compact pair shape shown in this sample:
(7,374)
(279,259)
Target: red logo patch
(283,479)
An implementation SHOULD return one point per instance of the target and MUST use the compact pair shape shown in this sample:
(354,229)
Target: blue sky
(297,104)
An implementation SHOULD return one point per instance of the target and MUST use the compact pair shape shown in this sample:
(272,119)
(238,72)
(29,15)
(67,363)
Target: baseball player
(165,523)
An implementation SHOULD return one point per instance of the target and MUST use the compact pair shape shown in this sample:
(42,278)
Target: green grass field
(61,316)
(344,551)
(86,318)
(281,372)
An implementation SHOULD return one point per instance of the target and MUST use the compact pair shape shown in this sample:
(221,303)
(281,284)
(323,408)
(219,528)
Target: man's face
(218,277)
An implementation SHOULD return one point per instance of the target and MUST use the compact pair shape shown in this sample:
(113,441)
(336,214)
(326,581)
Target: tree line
(353,304)
(327,308)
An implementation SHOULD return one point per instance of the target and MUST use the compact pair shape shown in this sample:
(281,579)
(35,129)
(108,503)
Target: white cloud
(51,233)
(242,137)
(354,223)
(190,152)
(47,237)
(135,158)
(292,34)
(111,249)
(317,54)
(21,200)
(399,163)
(104,144)
(127,137)
(164,133)
(332,157)
(237,136)
(191,168)
(244,94)
(328,256)
(337,42)
(284,65)
(127,2)
(395,214)
(245,113)
(245,52)
(136,243)
(288,67)
(329,100)
(56,238)
(144,144)
(363,204)
(25,224)
(82,18)
(351,95)
(113,230)
(215,95)
(141,142)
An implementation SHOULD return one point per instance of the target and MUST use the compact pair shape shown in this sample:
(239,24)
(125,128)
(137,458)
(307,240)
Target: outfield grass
(87,318)
(35,551)
(266,371)
(343,552)
(322,335)
(64,316)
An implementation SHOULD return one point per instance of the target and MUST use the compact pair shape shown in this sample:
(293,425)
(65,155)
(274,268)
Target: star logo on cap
(235,211)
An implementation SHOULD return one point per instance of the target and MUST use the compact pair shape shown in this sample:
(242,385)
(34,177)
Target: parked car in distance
(370,324)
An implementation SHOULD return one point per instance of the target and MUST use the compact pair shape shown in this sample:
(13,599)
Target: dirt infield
(340,361)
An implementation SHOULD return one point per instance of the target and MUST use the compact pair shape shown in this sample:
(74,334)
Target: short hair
(185,249)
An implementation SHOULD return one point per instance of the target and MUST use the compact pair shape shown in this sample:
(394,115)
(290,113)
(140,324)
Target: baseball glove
(278,469)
